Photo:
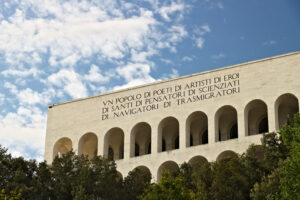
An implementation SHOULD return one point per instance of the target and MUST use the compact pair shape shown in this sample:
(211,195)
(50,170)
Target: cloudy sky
(57,50)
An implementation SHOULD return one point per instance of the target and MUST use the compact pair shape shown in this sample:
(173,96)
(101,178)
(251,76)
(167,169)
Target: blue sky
(54,50)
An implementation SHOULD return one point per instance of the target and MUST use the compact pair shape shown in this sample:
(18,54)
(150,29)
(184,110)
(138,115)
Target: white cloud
(187,58)
(270,43)
(199,33)
(2,99)
(212,4)
(178,32)
(199,42)
(30,97)
(134,74)
(21,73)
(218,56)
(167,61)
(23,132)
(165,11)
(95,75)
(142,56)
(220,5)
(75,33)
(70,81)
(174,73)
(11,87)
(202,30)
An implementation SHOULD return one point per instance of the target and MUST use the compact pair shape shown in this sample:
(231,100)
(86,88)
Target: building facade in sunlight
(196,118)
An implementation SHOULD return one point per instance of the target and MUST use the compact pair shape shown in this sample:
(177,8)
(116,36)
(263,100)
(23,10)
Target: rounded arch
(197,161)
(144,170)
(196,129)
(62,146)
(88,145)
(286,106)
(140,138)
(114,143)
(225,154)
(256,117)
(168,130)
(225,121)
(170,166)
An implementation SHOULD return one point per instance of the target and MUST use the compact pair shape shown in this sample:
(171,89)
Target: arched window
(140,139)
(169,166)
(163,145)
(255,112)
(285,106)
(234,132)
(137,149)
(149,148)
(177,142)
(62,146)
(168,130)
(110,154)
(88,145)
(114,139)
(205,137)
(226,123)
(196,124)
(263,126)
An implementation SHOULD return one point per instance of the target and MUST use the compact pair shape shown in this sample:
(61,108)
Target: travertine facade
(196,118)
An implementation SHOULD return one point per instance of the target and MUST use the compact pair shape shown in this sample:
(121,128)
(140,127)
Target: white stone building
(195,118)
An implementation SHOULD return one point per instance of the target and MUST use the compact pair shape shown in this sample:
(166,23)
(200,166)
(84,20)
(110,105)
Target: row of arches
(226,128)
(198,160)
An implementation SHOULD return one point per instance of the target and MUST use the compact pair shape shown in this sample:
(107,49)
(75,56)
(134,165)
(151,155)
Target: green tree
(13,195)
(135,183)
(203,179)
(290,173)
(168,188)
(230,180)
(268,188)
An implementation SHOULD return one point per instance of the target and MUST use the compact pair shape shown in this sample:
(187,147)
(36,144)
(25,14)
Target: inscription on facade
(176,95)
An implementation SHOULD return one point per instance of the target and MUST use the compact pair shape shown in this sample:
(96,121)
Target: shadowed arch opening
(168,134)
(140,139)
(197,161)
(285,106)
(88,145)
(114,144)
(169,166)
(196,129)
(256,117)
(226,123)
(144,170)
(226,154)
(62,146)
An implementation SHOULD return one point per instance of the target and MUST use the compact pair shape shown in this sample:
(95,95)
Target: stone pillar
(241,123)
(154,138)
(126,143)
(182,134)
(211,128)
(272,116)
(100,145)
